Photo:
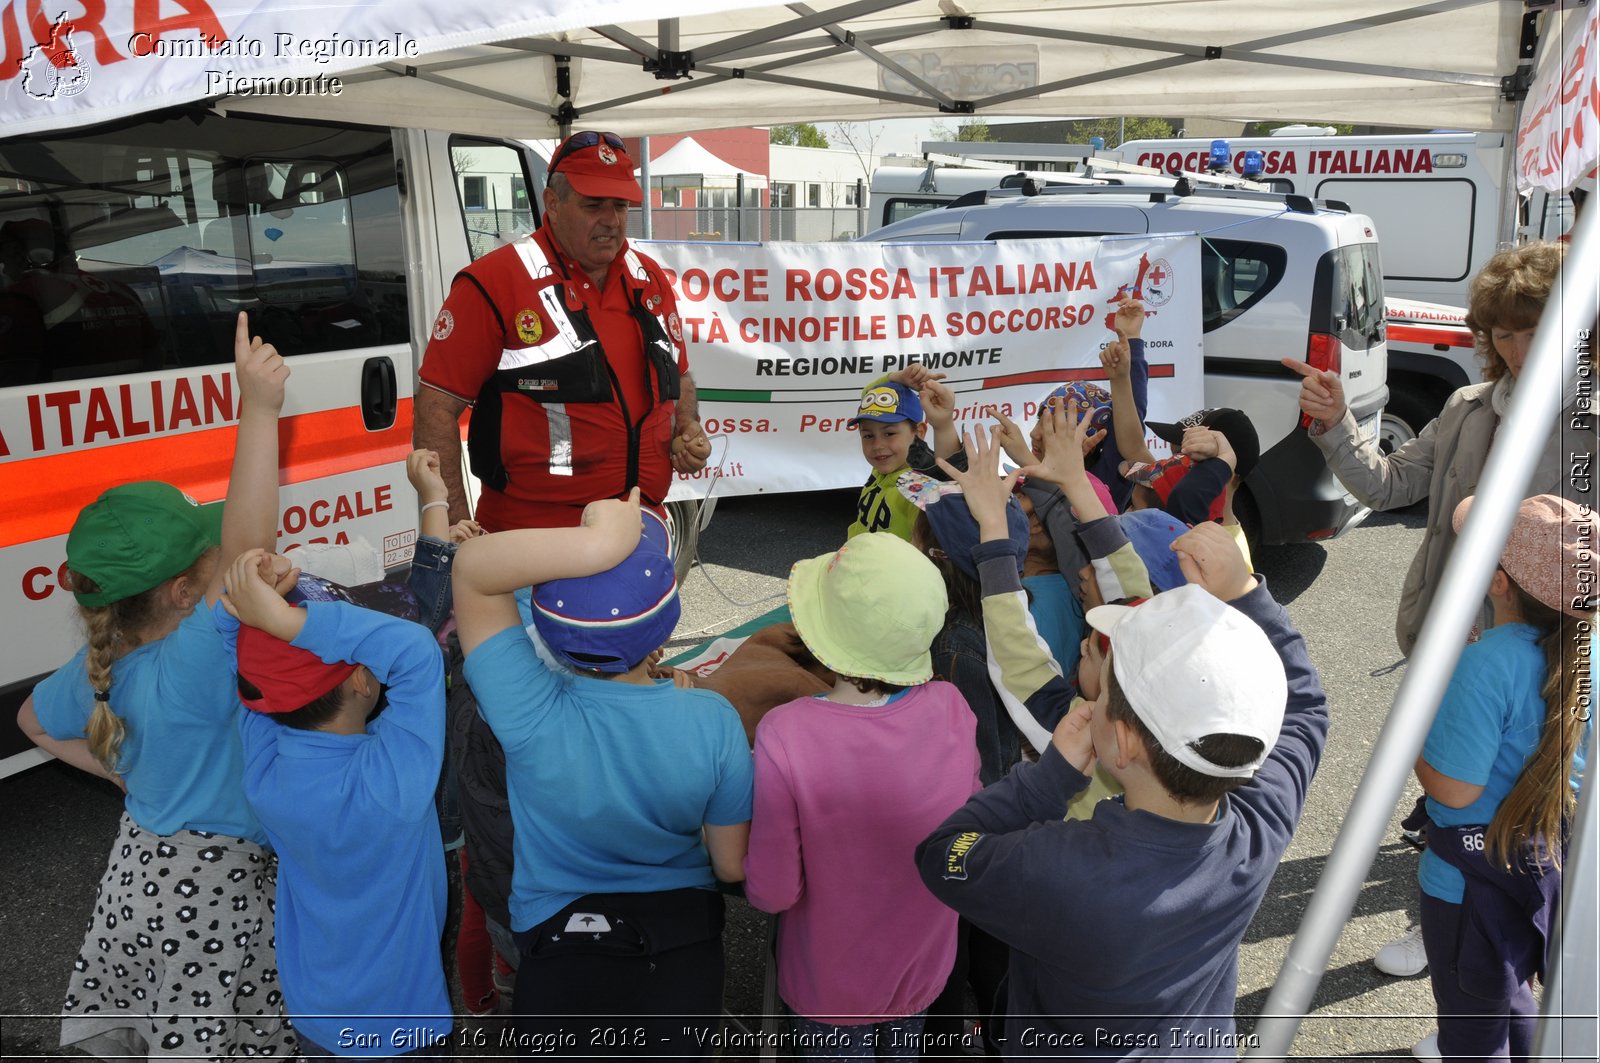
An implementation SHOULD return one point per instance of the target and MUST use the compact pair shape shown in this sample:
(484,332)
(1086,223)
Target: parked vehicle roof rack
(1297,203)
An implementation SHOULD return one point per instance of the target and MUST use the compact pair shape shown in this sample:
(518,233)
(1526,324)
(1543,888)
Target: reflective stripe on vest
(566,340)
(560,438)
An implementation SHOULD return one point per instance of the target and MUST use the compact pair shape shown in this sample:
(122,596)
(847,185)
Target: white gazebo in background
(697,195)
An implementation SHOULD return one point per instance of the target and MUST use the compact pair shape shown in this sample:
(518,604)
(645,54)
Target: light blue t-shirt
(609,782)
(361,875)
(181,758)
(1488,724)
(1059,617)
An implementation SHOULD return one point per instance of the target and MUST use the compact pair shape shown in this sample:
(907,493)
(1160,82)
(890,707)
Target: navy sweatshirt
(1125,928)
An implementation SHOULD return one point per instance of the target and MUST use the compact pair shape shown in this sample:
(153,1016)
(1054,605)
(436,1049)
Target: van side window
(118,257)
(1236,275)
(494,191)
(899,208)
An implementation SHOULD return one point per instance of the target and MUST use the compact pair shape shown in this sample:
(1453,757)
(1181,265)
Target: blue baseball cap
(1152,532)
(888,402)
(611,621)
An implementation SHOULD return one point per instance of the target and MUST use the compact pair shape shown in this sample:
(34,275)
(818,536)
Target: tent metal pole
(1510,196)
(1550,373)
(647,219)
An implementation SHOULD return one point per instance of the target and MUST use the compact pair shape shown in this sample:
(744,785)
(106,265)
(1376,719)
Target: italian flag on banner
(783,337)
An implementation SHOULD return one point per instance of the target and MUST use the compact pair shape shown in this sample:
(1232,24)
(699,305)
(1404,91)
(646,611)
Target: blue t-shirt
(1488,724)
(1058,615)
(361,875)
(181,758)
(609,782)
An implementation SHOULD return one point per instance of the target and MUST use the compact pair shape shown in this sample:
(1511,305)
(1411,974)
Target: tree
(973,130)
(798,134)
(862,139)
(1116,131)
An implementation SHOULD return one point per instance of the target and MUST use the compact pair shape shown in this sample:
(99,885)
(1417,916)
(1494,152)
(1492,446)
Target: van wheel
(1403,418)
(683,522)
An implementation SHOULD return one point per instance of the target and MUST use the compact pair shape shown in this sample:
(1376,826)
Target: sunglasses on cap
(579,141)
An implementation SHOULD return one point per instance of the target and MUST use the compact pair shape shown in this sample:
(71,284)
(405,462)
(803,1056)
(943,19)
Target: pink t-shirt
(843,795)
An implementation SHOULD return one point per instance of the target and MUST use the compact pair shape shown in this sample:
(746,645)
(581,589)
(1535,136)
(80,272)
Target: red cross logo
(1157,275)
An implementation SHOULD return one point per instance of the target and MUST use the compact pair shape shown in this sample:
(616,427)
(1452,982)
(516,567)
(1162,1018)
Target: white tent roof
(521,68)
(687,158)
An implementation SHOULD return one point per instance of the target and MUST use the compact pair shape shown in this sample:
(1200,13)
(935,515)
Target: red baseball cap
(597,165)
(289,678)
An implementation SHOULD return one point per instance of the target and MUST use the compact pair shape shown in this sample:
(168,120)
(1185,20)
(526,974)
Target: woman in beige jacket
(1444,462)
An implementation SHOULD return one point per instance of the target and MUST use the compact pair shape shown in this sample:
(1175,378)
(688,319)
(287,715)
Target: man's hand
(1130,318)
(690,448)
(1073,740)
(986,491)
(939,403)
(258,367)
(1117,360)
(1321,393)
(1209,557)
(422,469)
(253,593)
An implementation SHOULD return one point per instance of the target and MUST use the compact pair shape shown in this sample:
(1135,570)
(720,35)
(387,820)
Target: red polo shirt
(494,305)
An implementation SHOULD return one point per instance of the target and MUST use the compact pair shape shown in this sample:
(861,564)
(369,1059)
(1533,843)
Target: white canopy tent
(687,158)
(527,69)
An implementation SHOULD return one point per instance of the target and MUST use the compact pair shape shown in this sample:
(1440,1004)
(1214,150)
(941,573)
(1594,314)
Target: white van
(1434,196)
(901,192)
(1283,276)
(128,249)
(1437,199)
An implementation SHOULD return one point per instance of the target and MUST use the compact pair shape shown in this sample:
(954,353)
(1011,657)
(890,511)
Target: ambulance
(1438,202)
(1435,200)
(126,252)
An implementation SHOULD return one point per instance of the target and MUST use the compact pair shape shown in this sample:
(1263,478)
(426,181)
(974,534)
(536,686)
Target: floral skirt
(178,958)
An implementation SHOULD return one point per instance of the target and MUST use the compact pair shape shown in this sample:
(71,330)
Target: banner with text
(783,336)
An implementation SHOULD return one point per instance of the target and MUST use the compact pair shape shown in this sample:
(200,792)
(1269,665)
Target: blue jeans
(431,566)
(429,583)
(891,1039)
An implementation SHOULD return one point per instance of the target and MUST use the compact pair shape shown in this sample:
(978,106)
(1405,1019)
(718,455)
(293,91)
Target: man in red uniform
(568,346)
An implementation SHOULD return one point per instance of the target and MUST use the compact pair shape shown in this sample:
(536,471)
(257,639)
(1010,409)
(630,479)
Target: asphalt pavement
(56,825)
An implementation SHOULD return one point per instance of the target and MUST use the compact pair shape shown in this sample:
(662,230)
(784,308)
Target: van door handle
(379,395)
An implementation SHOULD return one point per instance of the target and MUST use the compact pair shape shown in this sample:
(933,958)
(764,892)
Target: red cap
(288,677)
(597,166)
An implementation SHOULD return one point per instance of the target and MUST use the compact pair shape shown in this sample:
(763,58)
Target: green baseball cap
(871,609)
(134,536)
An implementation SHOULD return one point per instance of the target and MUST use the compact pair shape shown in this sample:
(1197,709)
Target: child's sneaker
(1404,956)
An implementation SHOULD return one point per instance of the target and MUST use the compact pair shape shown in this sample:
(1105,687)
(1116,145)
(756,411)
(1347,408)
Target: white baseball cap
(1191,665)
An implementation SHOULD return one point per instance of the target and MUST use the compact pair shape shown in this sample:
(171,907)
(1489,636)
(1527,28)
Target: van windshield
(131,248)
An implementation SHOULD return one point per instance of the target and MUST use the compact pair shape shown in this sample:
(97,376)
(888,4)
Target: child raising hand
(150,703)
